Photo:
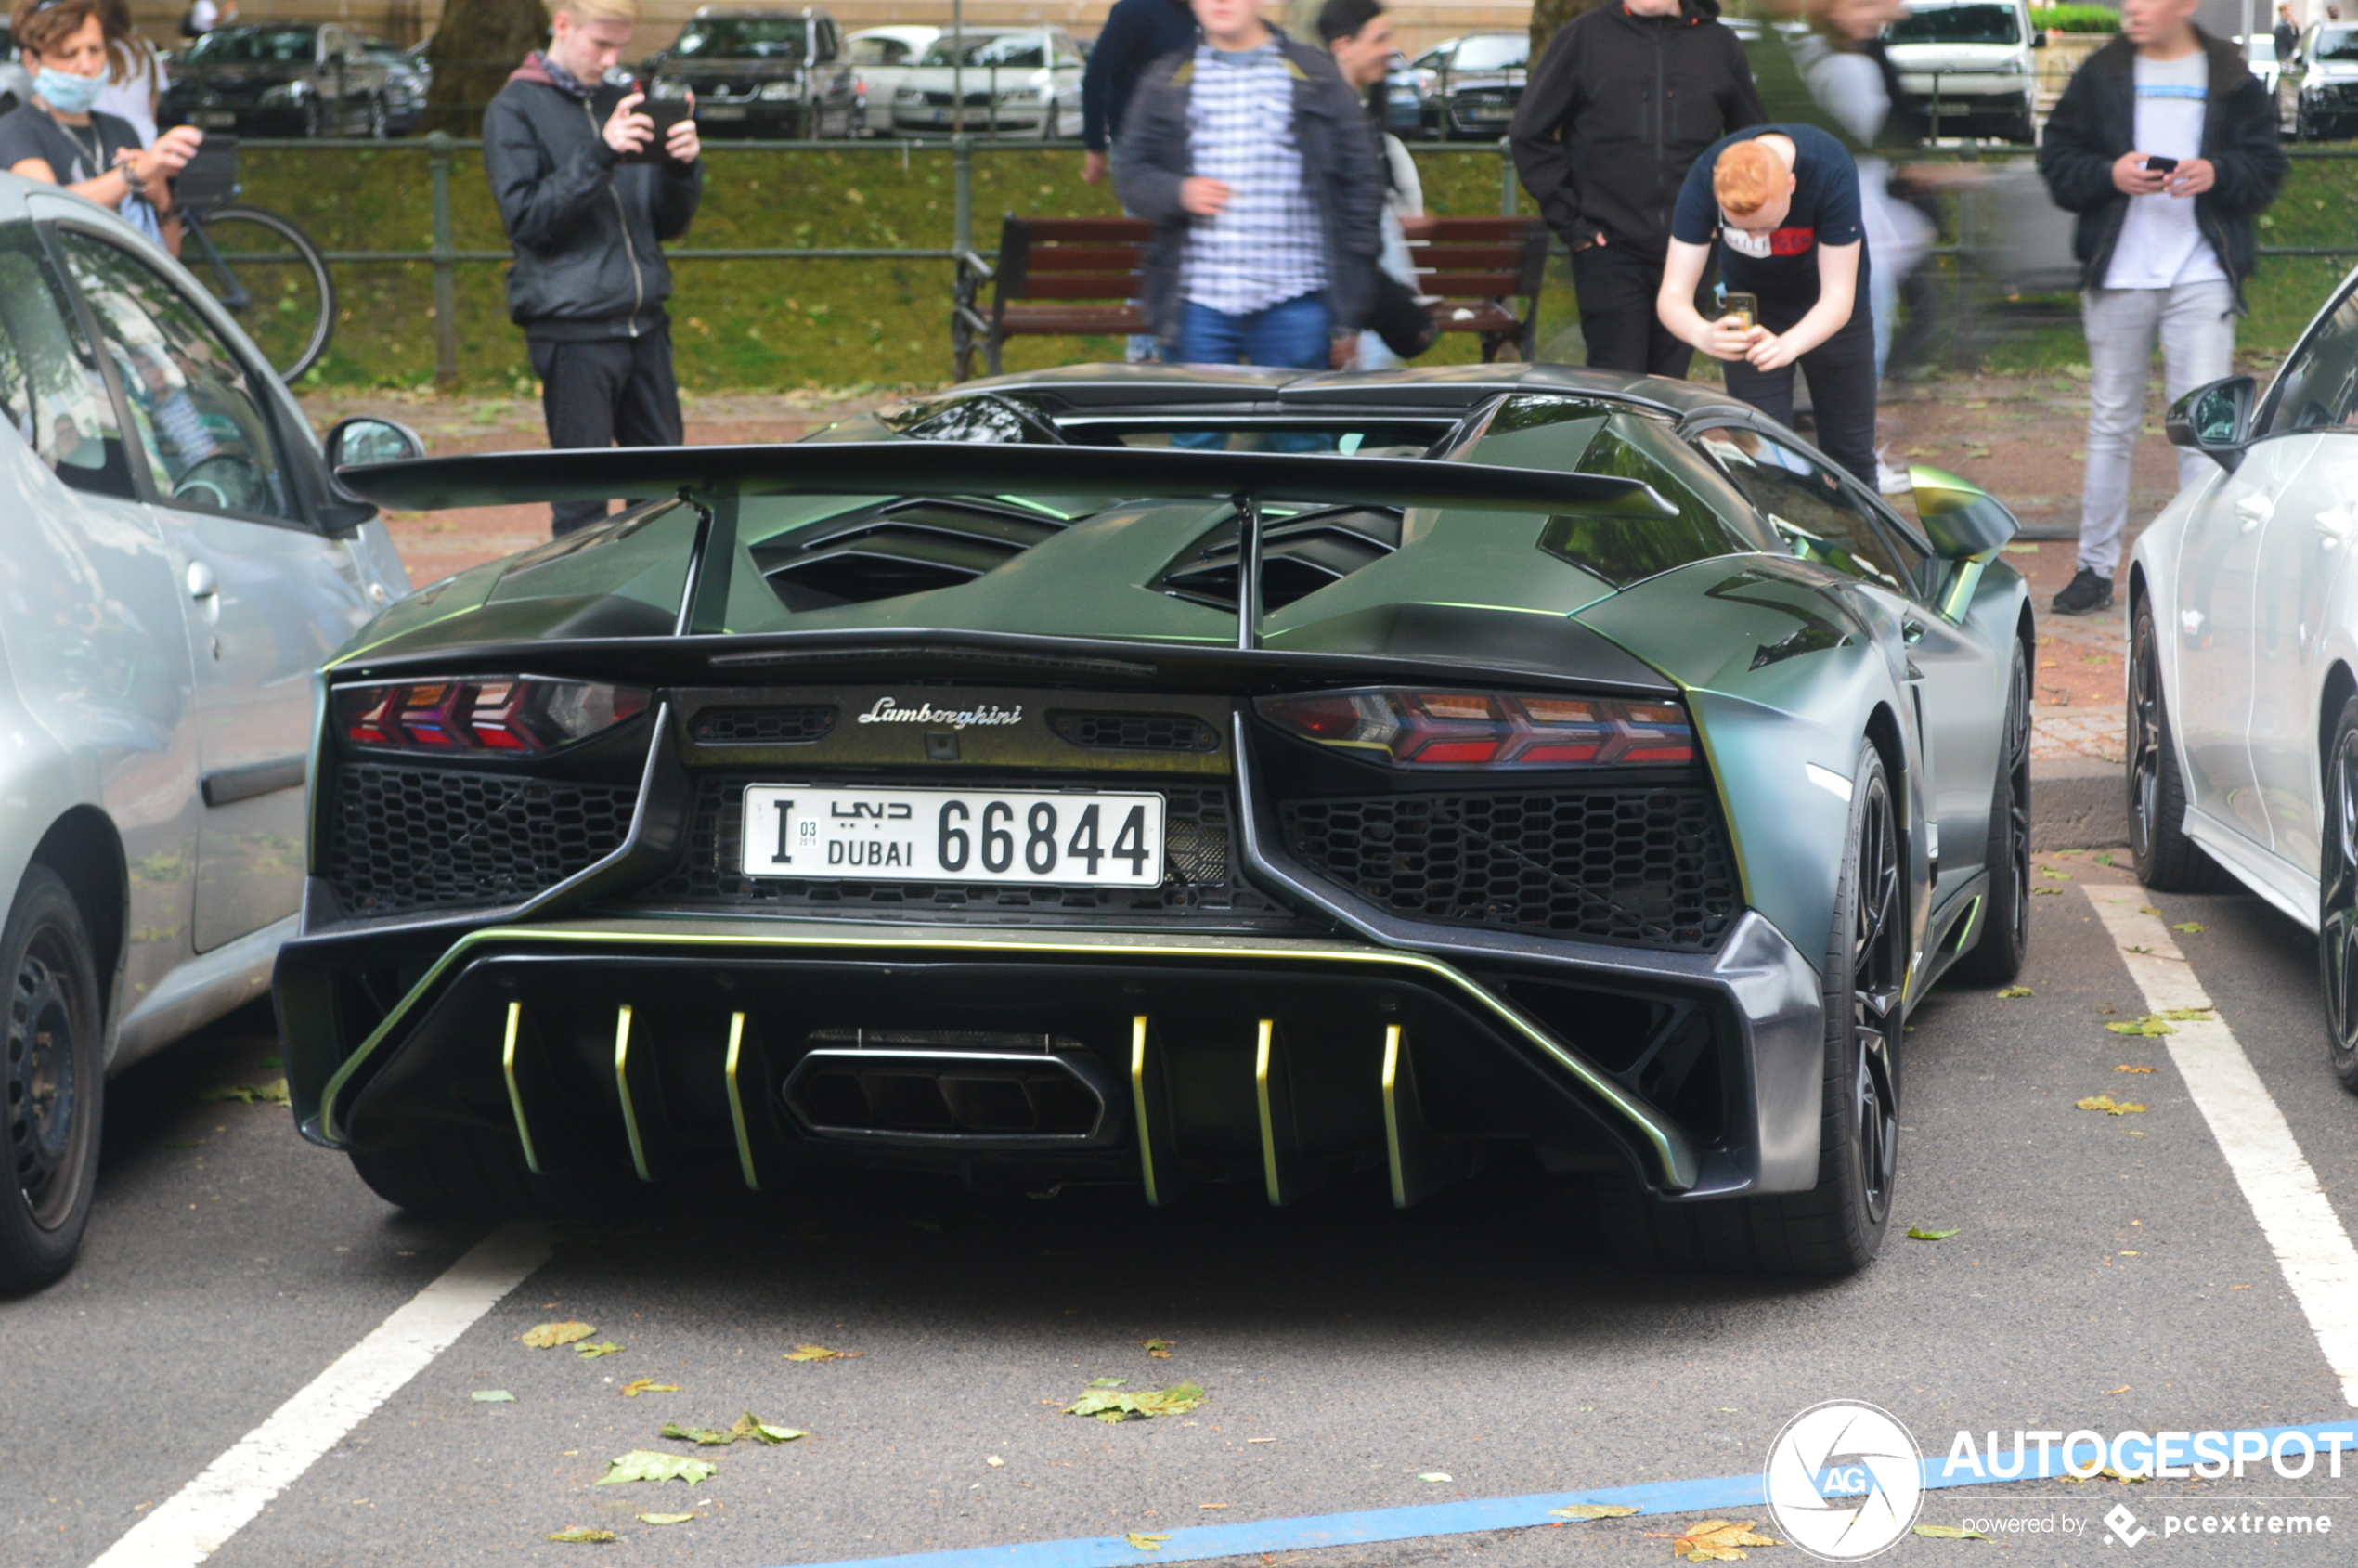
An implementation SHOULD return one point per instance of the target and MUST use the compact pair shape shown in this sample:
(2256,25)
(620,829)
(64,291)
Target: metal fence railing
(1981,238)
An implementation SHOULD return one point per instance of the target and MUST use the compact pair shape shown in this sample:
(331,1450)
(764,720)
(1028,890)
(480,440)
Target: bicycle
(262,269)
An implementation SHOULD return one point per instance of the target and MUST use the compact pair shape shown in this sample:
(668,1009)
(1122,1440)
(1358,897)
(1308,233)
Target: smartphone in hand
(2158,164)
(1745,307)
(665,113)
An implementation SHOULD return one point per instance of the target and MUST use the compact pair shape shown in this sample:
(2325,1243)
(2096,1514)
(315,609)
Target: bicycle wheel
(271,277)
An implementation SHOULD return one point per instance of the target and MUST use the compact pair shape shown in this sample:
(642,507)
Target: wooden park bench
(1076,277)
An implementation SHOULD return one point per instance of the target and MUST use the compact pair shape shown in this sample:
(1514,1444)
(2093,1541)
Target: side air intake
(899,547)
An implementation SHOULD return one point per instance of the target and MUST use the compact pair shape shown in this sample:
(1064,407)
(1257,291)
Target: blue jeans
(1293,335)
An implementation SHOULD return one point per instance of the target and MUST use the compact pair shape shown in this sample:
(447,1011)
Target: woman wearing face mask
(58,138)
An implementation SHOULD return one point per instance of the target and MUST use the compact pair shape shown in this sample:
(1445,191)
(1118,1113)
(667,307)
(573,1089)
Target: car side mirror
(1960,518)
(2039,39)
(2216,420)
(364,438)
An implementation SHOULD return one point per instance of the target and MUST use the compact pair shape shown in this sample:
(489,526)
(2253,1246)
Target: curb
(2077,803)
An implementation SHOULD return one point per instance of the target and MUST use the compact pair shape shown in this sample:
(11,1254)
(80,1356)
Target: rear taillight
(1406,726)
(511,714)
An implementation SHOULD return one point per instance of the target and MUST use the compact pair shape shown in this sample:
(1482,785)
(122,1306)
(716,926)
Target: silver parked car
(1023,80)
(2242,657)
(175,564)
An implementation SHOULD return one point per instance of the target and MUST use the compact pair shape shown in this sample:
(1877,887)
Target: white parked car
(2243,655)
(1970,59)
(882,60)
(175,564)
(1024,82)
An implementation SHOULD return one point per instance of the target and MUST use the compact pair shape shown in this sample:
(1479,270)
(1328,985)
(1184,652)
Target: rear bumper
(677,1044)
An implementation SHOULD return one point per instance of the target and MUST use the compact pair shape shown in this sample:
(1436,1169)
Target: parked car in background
(2243,657)
(882,58)
(16,86)
(761,73)
(281,79)
(2260,54)
(1475,83)
(1971,61)
(2317,89)
(408,76)
(1024,81)
(164,504)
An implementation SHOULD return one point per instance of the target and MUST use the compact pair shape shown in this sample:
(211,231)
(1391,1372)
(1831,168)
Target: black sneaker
(2086,594)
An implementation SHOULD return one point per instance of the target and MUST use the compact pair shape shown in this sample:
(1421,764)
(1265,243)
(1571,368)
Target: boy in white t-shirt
(2165,146)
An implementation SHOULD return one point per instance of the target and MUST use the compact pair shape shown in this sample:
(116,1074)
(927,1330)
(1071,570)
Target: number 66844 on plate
(1088,839)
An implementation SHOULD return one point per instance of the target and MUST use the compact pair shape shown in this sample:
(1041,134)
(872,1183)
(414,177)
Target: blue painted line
(1421,1521)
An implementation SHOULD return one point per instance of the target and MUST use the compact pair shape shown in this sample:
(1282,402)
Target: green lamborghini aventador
(1155,776)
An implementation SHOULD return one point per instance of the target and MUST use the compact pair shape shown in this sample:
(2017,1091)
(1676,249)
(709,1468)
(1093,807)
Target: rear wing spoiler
(714,479)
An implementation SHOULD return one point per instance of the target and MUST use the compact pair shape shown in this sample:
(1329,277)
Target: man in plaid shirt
(1250,158)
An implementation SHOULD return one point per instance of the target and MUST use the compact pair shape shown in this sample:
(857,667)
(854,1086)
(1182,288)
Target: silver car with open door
(175,564)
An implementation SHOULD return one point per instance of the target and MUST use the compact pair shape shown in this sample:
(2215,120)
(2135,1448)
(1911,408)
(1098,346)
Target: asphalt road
(2107,1273)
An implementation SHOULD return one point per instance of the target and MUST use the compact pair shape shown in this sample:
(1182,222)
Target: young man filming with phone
(590,176)
(2164,145)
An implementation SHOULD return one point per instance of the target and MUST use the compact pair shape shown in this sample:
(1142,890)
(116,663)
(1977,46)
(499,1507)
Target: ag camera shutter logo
(1845,1481)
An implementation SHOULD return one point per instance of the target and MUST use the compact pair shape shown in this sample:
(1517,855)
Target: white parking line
(2315,1252)
(199,1519)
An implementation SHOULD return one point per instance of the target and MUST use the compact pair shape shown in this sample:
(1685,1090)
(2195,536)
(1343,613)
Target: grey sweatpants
(2196,325)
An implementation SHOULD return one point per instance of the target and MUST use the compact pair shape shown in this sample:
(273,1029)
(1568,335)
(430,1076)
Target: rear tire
(2338,900)
(474,1173)
(2167,860)
(1997,956)
(52,1084)
(1836,1227)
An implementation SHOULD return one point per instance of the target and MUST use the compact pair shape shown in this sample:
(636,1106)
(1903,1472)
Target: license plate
(1489,113)
(954,836)
(215,117)
(722,111)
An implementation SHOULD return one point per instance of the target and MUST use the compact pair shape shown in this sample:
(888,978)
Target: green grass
(745,325)
(2074,18)
(737,324)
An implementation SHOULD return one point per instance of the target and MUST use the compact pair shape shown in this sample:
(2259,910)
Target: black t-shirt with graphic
(1780,266)
(74,153)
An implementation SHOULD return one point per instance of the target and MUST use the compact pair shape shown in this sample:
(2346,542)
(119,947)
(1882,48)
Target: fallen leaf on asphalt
(2124,1067)
(1107,1383)
(665,1518)
(820,1352)
(548,1335)
(273,1093)
(494,1397)
(1949,1532)
(2146,951)
(2106,1103)
(1715,1540)
(638,1386)
(1147,1543)
(2149,1024)
(2122,1389)
(2045,892)
(1159,1349)
(591,1352)
(2112,1474)
(2009,992)
(2192,928)
(753,1427)
(710,1437)
(1918,1234)
(579,1532)
(2104,860)
(2185,1015)
(642,1464)
(1436,1475)
(2021,549)
(1591,1510)
(2147,909)
(1113,1405)
(2051,875)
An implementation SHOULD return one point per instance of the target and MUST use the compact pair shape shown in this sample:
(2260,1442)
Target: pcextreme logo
(1844,1481)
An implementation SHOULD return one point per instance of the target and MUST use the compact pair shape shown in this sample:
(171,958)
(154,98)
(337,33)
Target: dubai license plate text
(954,836)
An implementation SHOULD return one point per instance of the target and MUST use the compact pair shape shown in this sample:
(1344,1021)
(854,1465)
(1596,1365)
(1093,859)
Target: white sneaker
(1890,480)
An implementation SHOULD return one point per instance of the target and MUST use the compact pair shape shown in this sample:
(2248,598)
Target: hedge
(2074,18)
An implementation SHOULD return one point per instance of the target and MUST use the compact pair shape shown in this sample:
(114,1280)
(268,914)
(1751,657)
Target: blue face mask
(66,93)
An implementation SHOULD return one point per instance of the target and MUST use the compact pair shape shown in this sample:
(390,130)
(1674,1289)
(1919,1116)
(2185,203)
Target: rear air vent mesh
(409,838)
(762,726)
(1299,556)
(1136,732)
(899,547)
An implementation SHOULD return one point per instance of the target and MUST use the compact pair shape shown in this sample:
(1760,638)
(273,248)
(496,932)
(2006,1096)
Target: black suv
(761,73)
(301,79)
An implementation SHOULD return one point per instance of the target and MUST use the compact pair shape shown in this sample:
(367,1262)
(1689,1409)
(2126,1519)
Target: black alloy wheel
(1878,971)
(2167,860)
(51,1083)
(2338,900)
(1998,953)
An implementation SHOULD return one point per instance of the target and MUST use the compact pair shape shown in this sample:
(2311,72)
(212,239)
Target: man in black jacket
(586,210)
(1137,33)
(2165,146)
(1624,101)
